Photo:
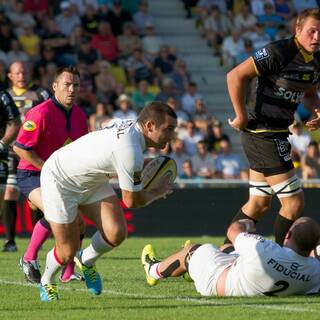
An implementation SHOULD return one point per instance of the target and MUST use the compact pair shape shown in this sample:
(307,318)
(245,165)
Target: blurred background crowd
(124,64)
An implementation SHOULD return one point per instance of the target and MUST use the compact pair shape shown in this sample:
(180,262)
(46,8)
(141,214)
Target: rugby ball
(156,169)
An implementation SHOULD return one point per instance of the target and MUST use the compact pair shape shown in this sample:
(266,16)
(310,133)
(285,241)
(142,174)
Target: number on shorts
(284,285)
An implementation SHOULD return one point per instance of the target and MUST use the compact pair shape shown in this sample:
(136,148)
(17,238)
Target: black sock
(240,215)
(9,219)
(281,227)
(36,215)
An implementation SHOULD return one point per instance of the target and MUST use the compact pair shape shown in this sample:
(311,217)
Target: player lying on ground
(259,267)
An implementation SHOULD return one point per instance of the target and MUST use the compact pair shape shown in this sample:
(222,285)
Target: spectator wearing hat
(141,96)
(151,42)
(67,19)
(125,111)
(105,42)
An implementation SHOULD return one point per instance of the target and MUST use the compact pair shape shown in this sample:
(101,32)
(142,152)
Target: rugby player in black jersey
(288,73)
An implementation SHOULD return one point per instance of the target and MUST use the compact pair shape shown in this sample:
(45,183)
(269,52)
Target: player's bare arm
(30,156)
(237,81)
(237,227)
(12,130)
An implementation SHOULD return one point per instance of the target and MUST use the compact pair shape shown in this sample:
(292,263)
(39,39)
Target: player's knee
(66,255)
(118,235)
(293,207)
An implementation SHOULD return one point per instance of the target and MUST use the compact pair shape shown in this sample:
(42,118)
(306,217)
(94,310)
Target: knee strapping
(261,189)
(170,269)
(288,188)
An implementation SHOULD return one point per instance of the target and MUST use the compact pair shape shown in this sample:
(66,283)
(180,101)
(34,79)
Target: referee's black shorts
(270,156)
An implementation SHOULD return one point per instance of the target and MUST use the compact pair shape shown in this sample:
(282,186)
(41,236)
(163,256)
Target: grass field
(127,296)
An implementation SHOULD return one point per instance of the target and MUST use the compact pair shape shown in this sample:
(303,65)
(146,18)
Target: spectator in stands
(105,42)
(284,9)
(299,140)
(282,33)
(201,117)
(228,164)
(310,162)
(257,6)
(75,39)
(90,20)
(101,117)
(215,136)
(180,76)
(19,18)
(139,67)
(141,96)
(182,117)
(189,98)
(67,19)
(203,162)
(245,21)
(300,5)
(188,172)
(30,42)
(48,56)
(125,111)
(178,154)
(141,17)
(246,52)
(88,54)
(36,8)
(16,53)
(270,20)
(167,90)
(6,35)
(104,81)
(259,37)
(190,137)
(151,42)
(117,17)
(216,27)
(127,41)
(164,62)
(232,46)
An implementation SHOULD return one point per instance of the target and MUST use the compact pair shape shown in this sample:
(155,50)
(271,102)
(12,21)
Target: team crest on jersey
(137,178)
(261,54)
(29,126)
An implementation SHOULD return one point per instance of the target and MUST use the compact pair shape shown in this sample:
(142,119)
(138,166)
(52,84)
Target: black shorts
(28,181)
(269,156)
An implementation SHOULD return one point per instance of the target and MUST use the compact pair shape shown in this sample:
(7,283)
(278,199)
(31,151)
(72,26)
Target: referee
(288,73)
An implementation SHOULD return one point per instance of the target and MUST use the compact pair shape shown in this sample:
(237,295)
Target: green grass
(127,296)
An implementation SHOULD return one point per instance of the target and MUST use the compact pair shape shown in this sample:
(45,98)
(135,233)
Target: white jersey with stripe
(91,159)
(265,268)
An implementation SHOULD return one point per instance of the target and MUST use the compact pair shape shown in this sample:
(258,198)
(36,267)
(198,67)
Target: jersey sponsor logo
(283,147)
(289,272)
(137,178)
(29,126)
(255,236)
(290,95)
(261,54)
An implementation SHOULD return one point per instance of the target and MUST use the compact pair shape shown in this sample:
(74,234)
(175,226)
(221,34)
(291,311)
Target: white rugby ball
(156,169)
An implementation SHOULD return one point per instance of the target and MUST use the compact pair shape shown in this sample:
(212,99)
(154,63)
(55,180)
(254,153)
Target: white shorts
(205,267)
(60,204)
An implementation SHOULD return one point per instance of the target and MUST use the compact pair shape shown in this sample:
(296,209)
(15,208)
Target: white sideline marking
(201,301)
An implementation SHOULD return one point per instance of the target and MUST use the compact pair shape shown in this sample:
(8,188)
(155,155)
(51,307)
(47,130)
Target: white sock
(51,269)
(154,273)
(96,249)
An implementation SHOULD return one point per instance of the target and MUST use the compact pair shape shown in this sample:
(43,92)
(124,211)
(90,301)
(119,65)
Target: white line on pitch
(182,299)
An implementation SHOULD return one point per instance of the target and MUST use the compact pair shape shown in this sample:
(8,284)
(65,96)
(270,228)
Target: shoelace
(51,291)
(90,272)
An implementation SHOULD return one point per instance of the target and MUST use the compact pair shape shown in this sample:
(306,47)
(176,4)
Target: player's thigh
(107,215)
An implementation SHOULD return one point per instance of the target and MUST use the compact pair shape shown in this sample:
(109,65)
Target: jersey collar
(306,55)
(19,91)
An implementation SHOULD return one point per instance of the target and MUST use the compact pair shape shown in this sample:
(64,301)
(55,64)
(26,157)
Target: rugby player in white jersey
(260,267)
(76,177)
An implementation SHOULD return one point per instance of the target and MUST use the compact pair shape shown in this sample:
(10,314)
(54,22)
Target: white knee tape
(261,189)
(288,188)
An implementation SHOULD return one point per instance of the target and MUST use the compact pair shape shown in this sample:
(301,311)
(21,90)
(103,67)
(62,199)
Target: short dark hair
(307,13)
(156,111)
(69,69)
